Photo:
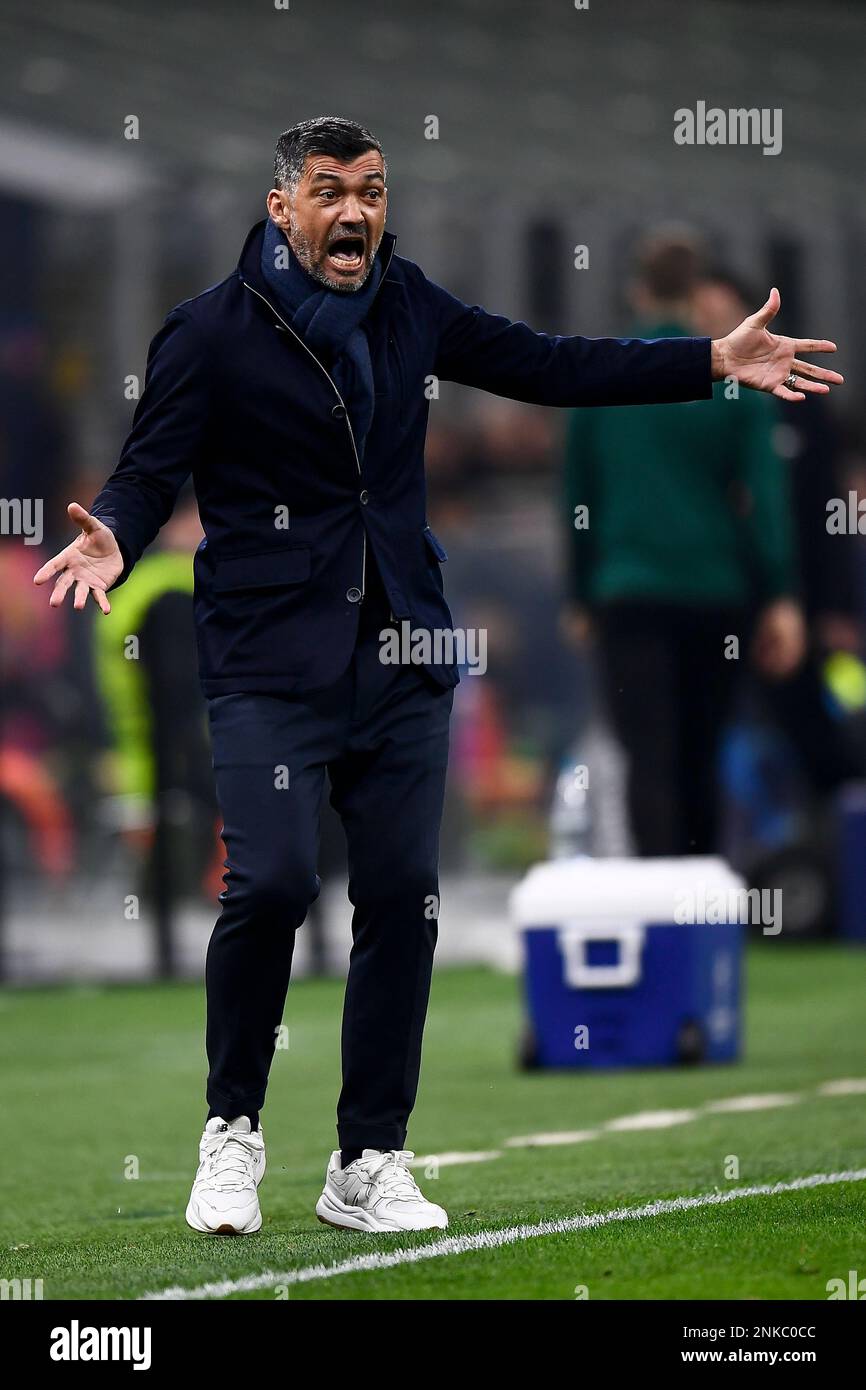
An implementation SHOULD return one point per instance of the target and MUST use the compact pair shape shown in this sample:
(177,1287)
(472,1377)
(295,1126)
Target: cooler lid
(643,890)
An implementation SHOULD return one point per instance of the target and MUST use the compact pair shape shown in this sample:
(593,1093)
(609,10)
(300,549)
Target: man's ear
(278,208)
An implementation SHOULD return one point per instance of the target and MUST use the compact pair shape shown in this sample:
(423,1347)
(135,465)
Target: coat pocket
(270,569)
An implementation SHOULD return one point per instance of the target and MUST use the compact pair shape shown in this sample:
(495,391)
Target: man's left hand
(764,360)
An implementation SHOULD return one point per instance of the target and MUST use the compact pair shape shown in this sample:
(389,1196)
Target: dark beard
(301,248)
(341,286)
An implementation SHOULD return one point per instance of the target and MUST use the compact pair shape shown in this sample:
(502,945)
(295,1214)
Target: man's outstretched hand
(91,563)
(763,360)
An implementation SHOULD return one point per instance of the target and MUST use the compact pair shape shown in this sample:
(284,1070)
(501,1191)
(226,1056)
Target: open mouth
(347,253)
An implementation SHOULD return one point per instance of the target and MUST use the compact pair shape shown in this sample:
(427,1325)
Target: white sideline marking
(849,1086)
(558,1136)
(491,1240)
(662,1119)
(770,1101)
(650,1119)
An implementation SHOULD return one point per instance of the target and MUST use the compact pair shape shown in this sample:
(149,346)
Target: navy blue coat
(233,396)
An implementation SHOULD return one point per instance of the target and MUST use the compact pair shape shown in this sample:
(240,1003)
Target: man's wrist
(718,358)
(110,524)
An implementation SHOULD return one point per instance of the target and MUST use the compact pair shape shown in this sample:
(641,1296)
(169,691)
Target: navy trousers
(381,734)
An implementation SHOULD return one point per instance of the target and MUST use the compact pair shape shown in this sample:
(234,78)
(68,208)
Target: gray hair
(333,135)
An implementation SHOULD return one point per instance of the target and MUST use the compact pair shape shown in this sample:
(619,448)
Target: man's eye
(327,193)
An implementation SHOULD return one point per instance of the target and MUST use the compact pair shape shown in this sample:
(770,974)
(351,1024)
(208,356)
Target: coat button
(339,412)
(364,498)
(353,595)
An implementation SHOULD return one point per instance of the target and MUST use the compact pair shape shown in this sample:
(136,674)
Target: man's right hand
(91,563)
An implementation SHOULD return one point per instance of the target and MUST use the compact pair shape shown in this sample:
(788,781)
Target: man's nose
(351,213)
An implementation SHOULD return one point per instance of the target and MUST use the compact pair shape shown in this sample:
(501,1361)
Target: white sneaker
(224,1200)
(377,1193)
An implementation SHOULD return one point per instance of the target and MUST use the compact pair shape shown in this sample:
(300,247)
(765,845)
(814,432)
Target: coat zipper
(299,339)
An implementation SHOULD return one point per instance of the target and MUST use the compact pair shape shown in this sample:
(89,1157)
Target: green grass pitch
(99,1081)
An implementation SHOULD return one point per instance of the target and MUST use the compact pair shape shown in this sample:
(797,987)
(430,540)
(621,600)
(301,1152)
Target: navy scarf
(329,322)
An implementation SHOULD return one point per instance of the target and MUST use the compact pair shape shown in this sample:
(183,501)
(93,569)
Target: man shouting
(296,393)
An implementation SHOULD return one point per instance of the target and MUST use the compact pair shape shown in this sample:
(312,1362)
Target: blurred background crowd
(609,555)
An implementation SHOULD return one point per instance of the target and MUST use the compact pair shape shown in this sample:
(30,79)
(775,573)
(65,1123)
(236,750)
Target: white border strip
(491,1240)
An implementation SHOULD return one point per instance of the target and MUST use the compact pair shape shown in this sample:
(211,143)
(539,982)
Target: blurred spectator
(160,767)
(34,446)
(32,654)
(681,561)
(810,440)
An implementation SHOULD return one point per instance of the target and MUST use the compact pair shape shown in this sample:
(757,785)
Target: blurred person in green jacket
(681,565)
(807,705)
(159,768)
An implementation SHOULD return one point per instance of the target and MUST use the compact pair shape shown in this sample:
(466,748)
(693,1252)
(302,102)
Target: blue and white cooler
(631,962)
